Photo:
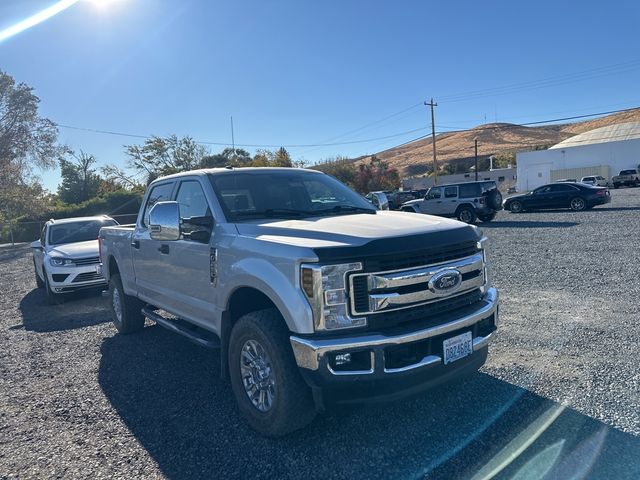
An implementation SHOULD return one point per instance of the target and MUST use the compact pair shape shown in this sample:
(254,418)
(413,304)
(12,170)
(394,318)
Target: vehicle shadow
(169,395)
(79,310)
(525,224)
(615,209)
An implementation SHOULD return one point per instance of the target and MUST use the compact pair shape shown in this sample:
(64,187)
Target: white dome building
(603,151)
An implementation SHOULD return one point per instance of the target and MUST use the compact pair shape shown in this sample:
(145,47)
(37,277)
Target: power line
(544,82)
(256,145)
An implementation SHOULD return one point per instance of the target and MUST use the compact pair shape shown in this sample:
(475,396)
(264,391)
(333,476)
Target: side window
(470,190)
(159,193)
(191,200)
(562,188)
(434,193)
(450,192)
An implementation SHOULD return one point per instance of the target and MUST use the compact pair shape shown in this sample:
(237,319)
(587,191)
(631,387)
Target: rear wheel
(578,204)
(516,206)
(125,310)
(271,394)
(466,215)
(488,217)
(39,281)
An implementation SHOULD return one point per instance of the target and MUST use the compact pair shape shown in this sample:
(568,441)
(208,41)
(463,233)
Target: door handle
(164,249)
(135,243)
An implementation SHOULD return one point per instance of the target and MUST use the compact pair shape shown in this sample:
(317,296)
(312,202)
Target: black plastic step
(195,334)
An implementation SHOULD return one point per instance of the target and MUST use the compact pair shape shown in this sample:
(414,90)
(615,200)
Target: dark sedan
(576,196)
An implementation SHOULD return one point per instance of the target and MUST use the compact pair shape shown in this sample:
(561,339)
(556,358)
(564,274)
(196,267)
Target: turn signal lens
(307,281)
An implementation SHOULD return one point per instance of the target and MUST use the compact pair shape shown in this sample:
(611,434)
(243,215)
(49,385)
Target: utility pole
(475,141)
(233,141)
(433,140)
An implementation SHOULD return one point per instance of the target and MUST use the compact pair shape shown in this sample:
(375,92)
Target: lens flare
(35,19)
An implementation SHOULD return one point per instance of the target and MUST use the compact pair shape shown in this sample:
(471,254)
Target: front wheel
(578,204)
(270,392)
(466,215)
(52,297)
(39,281)
(126,311)
(516,207)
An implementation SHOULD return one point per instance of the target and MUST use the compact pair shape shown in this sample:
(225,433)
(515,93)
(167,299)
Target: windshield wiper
(273,212)
(345,209)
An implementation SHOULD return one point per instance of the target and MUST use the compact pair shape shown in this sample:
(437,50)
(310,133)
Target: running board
(194,334)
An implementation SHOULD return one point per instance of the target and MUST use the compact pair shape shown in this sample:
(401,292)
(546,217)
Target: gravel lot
(560,393)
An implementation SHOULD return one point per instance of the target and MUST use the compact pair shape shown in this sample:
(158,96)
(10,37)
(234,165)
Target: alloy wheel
(258,377)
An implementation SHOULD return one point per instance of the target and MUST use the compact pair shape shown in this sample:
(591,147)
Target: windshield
(278,194)
(74,232)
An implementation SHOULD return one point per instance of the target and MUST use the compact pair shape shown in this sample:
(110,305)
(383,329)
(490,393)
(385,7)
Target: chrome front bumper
(311,354)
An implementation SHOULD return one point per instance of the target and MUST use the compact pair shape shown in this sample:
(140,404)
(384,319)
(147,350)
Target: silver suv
(465,201)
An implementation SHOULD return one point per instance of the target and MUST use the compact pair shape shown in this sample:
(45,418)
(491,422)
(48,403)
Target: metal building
(603,151)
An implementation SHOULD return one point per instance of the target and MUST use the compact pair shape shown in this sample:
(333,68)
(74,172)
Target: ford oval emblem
(446,281)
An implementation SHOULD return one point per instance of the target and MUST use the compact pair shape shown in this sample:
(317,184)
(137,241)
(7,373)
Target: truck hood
(347,230)
(75,250)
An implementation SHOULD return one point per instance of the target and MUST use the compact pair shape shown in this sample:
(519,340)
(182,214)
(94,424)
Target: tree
(282,158)
(79,181)
(164,156)
(339,167)
(229,156)
(376,175)
(26,140)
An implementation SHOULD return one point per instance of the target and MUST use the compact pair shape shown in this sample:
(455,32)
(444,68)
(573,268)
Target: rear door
(153,273)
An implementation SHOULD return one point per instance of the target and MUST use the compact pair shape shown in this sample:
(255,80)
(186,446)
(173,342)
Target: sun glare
(36,18)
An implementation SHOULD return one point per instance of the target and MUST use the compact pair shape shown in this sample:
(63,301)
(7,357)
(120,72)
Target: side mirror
(36,245)
(164,221)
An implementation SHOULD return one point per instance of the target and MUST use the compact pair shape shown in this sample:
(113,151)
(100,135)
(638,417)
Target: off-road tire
(494,199)
(52,297)
(466,215)
(487,218)
(516,207)
(125,310)
(578,204)
(293,406)
(39,281)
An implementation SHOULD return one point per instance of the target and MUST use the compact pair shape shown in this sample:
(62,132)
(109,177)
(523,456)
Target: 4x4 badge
(446,281)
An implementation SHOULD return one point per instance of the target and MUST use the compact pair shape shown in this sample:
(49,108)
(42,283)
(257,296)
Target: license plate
(457,347)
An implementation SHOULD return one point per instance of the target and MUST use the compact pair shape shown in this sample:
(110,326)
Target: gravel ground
(559,395)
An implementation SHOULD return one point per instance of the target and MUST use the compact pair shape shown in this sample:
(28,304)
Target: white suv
(66,257)
(595,180)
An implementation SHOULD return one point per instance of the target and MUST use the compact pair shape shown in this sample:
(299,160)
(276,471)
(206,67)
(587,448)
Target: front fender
(280,287)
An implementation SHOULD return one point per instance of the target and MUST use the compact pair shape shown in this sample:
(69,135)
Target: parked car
(576,196)
(595,180)
(66,257)
(378,200)
(397,199)
(465,201)
(311,295)
(566,180)
(629,178)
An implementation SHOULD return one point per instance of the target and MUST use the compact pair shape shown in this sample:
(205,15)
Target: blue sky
(307,72)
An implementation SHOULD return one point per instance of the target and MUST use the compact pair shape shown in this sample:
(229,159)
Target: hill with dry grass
(494,138)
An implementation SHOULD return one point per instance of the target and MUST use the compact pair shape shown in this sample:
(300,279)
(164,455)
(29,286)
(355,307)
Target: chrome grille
(378,292)
(87,277)
(86,261)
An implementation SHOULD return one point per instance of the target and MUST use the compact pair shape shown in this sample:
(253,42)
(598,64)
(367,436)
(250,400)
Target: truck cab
(310,294)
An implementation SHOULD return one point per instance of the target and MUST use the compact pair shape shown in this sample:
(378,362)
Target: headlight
(60,261)
(482,244)
(325,287)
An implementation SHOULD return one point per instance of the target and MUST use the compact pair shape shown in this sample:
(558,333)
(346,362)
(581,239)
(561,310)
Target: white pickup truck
(310,294)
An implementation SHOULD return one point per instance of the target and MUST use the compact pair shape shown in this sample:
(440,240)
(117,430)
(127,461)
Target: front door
(450,202)
(432,203)
(194,259)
